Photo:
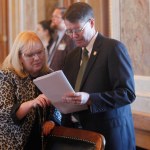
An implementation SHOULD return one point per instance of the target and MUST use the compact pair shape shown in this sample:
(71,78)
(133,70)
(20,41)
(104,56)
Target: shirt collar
(89,47)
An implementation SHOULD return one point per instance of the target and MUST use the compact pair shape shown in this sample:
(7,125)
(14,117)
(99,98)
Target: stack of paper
(54,86)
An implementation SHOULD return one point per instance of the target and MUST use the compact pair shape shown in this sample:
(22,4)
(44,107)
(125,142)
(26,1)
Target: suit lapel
(92,59)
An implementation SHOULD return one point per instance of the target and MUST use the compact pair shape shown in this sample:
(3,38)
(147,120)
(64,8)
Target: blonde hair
(24,41)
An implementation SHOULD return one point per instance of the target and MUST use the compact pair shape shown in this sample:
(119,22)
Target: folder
(54,86)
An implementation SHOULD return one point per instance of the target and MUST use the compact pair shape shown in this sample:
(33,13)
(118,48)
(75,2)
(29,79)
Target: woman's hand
(41,100)
(26,107)
(47,127)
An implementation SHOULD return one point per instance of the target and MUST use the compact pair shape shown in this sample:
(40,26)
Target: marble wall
(135,33)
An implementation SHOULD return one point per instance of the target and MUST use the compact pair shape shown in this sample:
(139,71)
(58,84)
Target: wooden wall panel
(101,11)
(3,30)
(24,15)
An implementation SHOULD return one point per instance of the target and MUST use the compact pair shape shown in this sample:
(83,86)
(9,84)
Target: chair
(62,138)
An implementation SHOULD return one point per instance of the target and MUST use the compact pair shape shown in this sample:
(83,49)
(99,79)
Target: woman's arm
(26,107)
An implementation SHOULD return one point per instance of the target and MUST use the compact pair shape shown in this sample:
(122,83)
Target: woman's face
(33,60)
(41,32)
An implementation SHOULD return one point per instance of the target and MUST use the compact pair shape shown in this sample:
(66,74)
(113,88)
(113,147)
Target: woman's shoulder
(7,73)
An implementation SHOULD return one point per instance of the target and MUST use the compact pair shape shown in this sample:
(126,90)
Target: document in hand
(54,86)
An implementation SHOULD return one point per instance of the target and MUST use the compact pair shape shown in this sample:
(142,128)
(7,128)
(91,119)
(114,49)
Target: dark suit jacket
(109,80)
(65,46)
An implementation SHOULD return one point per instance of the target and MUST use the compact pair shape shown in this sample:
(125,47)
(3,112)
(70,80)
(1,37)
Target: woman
(23,109)
(45,32)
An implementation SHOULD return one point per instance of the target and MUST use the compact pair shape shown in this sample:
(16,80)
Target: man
(107,85)
(62,43)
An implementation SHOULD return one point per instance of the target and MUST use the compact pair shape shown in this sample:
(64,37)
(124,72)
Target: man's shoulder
(108,39)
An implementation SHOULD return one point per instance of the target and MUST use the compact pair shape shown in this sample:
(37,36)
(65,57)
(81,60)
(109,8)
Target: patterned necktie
(85,59)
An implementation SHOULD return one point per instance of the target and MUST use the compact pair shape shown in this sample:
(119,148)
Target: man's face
(56,18)
(80,32)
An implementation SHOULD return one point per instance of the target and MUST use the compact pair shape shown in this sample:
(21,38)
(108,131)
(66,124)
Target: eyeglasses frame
(32,55)
(76,31)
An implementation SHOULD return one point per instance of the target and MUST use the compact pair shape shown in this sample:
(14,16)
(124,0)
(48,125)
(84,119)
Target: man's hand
(78,98)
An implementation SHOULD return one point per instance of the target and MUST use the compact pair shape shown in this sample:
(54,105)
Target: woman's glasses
(38,53)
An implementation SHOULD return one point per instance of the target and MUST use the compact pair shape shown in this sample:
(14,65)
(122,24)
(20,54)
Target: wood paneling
(3,30)
(101,12)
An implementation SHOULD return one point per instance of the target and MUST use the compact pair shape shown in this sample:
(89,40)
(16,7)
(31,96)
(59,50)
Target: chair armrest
(72,139)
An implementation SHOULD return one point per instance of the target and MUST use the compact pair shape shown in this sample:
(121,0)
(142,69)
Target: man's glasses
(32,55)
(76,31)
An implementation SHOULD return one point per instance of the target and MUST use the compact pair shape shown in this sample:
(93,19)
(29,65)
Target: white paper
(54,86)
